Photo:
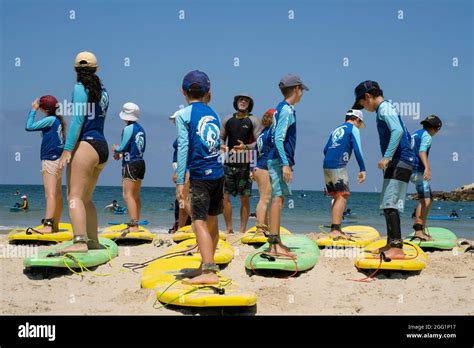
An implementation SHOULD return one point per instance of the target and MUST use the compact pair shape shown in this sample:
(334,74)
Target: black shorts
(206,197)
(133,170)
(101,147)
(237,180)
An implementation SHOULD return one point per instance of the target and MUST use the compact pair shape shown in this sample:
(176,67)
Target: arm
(126,137)
(223,129)
(79,99)
(284,121)
(182,124)
(356,145)
(175,155)
(256,131)
(423,153)
(32,126)
(396,133)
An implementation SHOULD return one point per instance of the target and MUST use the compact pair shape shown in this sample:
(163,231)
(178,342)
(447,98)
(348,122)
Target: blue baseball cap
(196,77)
(361,89)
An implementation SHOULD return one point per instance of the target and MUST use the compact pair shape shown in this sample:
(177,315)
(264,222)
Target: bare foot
(338,234)
(45,229)
(193,273)
(231,231)
(135,229)
(423,236)
(75,248)
(204,278)
(381,250)
(394,253)
(280,250)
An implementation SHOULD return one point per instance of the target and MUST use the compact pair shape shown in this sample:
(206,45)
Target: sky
(420,52)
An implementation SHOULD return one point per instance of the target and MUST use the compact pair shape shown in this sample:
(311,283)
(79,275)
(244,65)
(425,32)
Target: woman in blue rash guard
(53,132)
(86,151)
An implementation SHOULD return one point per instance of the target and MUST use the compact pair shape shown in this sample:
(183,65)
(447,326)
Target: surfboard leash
(274,257)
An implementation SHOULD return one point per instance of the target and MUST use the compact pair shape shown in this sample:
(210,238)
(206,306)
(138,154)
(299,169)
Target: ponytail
(91,82)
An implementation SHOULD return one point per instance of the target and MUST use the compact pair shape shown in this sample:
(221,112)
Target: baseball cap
(361,89)
(291,80)
(23,197)
(196,77)
(48,103)
(85,59)
(358,114)
(433,121)
(130,112)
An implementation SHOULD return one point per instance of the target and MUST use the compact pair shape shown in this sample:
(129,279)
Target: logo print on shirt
(140,141)
(337,135)
(209,134)
(60,134)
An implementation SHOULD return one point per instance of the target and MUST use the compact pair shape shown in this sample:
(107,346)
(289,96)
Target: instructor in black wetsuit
(238,134)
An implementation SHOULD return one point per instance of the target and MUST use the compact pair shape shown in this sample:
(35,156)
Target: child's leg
(59,204)
(130,201)
(264,192)
(275,214)
(336,215)
(49,182)
(213,228)
(244,212)
(228,213)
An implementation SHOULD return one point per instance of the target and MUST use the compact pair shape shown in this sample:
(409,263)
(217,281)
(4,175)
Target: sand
(444,287)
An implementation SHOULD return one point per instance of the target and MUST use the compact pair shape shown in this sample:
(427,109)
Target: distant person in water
(53,131)
(131,150)
(347,212)
(24,204)
(421,145)
(17,193)
(454,214)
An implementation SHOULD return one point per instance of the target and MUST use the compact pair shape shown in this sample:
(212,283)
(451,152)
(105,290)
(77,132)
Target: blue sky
(411,58)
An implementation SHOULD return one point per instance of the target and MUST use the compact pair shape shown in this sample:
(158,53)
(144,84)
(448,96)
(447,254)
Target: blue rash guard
(199,143)
(338,149)
(420,142)
(284,135)
(88,118)
(133,143)
(393,135)
(50,126)
(175,151)
(264,146)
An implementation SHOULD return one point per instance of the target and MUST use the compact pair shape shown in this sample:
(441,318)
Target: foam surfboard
(224,251)
(186,232)
(305,250)
(360,236)
(65,234)
(442,239)
(115,232)
(74,260)
(166,277)
(415,258)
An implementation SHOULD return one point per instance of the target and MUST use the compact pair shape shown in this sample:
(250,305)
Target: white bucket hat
(23,197)
(358,114)
(130,112)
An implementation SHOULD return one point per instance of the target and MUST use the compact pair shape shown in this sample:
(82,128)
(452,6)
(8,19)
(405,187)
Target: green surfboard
(442,239)
(305,249)
(89,259)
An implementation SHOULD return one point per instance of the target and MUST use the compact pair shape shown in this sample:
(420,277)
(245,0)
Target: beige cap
(85,59)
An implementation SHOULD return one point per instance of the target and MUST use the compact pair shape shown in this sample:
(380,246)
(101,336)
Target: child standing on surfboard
(53,129)
(396,163)
(337,153)
(282,155)
(131,150)
(421,145)
(198,128)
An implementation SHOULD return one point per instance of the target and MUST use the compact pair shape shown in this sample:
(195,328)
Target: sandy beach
(444,287)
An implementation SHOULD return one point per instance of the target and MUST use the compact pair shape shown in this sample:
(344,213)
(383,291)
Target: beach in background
(305,212)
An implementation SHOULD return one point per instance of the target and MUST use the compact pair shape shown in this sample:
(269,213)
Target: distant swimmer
(453,214)
(24,204)
(347,212)
(113,206)
(17,193)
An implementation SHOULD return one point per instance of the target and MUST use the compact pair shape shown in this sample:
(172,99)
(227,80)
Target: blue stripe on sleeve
(32,126)
(425,142)
(356,145)
(126,136)
(396,133)
(285,119)
(79,99)
(182,126)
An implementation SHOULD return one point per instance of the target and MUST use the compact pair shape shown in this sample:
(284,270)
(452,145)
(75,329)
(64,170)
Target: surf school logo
(60,134)
(337,135)
(140,141)
(209,134)
(260,143)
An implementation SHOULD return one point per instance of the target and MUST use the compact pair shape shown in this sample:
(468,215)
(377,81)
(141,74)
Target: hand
(180,194)
(116,156)
(252,176)
(64,159)
(174,177)
(287,174)
(240,147)
(383,163)
(361,177)
(224,148)
(114,146)
(427,174)
(35,105)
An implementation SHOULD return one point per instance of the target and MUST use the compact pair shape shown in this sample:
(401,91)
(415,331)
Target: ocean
(304,213)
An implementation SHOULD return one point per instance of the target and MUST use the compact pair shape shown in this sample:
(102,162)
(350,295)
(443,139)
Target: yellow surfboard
(114,233)
(415,258)
(224,252)
(186,232)
(250,237)
(360,235)
(166,276)
(65,234)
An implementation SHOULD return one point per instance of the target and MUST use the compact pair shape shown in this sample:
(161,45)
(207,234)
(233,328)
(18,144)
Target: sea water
(303,213)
